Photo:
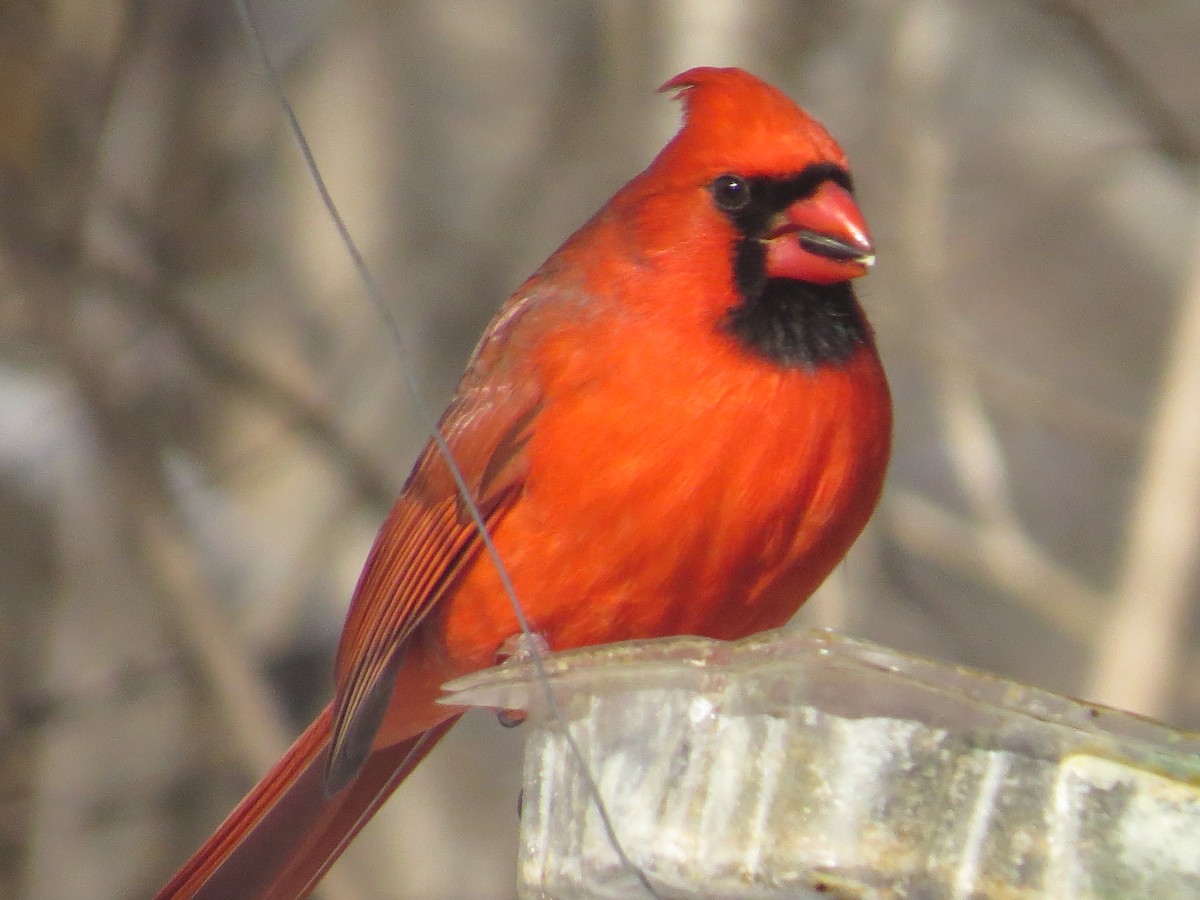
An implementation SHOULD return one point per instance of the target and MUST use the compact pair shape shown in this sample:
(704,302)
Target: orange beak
(822,239)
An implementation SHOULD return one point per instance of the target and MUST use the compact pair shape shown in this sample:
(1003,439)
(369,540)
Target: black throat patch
(797,324)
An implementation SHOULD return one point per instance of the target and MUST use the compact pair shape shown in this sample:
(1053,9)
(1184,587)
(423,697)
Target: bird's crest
(734,121)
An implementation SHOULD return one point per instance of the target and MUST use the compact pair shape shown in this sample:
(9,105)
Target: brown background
(202,419)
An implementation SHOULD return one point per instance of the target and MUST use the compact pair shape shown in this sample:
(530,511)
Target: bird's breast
(676,488)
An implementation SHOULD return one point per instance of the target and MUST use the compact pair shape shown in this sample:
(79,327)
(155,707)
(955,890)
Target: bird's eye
(731,192)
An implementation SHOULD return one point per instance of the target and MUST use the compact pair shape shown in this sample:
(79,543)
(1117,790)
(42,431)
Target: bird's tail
(286,833)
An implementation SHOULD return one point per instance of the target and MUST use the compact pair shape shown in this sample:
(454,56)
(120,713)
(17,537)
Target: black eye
(732,192)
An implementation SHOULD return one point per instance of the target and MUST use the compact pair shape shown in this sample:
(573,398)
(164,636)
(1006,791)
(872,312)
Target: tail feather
(286,833)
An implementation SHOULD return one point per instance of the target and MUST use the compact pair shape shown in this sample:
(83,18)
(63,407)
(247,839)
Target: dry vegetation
(203,419)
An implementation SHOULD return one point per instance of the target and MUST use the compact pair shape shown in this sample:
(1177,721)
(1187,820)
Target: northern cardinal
(677,425)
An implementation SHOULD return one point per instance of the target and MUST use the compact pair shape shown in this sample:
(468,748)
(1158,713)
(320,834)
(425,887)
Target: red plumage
(678,425)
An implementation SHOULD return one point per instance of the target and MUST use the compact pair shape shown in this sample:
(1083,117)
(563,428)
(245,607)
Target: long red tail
(285,834)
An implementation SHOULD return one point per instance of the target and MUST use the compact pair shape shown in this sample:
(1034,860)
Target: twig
(1138,654)
(1138,96)
(997,554)
(306,415)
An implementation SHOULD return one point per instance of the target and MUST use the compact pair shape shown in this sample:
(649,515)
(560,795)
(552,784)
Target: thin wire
(369,284)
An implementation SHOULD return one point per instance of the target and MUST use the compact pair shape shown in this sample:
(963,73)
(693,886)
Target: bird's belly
(665,531)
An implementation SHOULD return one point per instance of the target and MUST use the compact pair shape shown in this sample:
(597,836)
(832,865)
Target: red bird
(677,425)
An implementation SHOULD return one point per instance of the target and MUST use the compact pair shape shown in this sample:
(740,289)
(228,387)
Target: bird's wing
(430,537)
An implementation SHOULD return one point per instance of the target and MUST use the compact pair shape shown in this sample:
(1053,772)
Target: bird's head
(772,172)
(749,212)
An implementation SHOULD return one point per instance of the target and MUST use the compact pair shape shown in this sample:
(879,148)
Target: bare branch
(305,414)
(1140,99)
(999,555)
(1138,656)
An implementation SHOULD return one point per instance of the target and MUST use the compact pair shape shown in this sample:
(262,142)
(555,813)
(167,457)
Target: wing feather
(427,541)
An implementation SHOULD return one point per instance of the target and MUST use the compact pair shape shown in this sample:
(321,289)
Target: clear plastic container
(815,765)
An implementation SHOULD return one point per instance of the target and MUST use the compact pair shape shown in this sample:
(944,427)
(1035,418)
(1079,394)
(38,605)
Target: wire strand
(254,35)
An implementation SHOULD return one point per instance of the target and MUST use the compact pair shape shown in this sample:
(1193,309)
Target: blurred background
(203,419)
